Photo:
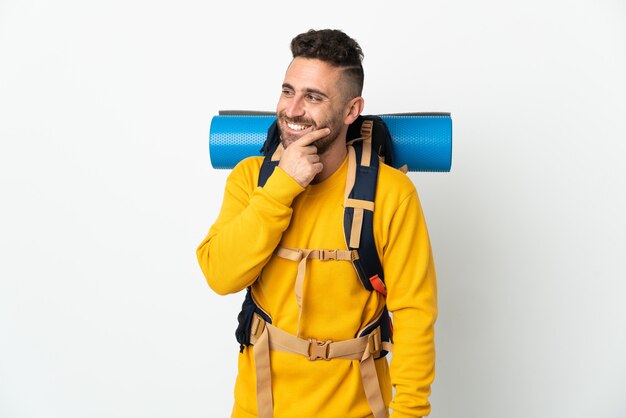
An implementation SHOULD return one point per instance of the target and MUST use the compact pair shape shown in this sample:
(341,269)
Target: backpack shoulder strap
(358,220)
(272,149)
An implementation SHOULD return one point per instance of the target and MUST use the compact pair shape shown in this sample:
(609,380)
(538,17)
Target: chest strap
(266,337)
(301,256)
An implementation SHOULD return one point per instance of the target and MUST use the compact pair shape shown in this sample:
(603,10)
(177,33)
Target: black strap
(368,264)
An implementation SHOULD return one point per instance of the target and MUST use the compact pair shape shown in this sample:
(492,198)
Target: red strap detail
(378,285)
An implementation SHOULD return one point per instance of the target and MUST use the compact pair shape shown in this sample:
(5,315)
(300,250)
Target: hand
(300,159)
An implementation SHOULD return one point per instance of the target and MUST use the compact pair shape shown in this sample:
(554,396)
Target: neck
(332,159)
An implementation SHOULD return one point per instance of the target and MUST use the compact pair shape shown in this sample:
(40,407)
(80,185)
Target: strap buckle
(256,327)
(326,255)
(318,350)
(374,341)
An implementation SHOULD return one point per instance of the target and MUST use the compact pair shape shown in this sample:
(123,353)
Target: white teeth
(296,127)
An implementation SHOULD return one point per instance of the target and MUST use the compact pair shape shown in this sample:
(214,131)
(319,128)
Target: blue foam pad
(421,141)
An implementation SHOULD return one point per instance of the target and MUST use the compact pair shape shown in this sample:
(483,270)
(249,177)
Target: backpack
(369,142)
(366,134)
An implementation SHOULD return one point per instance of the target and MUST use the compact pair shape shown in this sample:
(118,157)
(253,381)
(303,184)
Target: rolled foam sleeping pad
(422,141)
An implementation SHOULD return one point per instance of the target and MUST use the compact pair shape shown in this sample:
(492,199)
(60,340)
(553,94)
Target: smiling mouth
(296,126)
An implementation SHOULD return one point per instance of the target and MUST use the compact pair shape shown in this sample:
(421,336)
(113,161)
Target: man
(264,238)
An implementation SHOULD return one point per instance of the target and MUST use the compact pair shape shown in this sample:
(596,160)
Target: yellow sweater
(238,252)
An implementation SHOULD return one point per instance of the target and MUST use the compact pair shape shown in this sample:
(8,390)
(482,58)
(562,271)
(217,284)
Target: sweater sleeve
(248,228)
(412,300)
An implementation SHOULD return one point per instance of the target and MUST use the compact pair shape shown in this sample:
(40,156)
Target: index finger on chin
(313,136)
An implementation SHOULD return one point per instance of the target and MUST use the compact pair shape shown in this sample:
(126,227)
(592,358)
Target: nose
(294,107)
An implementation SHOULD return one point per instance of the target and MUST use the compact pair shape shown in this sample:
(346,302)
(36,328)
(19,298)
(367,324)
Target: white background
(107,189)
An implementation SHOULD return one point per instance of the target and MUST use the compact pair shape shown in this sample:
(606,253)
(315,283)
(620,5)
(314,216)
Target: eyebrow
(308,90)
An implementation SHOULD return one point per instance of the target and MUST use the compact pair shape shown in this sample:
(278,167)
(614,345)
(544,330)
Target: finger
(312,136)
(313,158)
(309,150)
(318,167)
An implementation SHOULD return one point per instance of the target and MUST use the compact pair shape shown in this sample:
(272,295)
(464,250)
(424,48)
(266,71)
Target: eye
(287,92)
(313,98)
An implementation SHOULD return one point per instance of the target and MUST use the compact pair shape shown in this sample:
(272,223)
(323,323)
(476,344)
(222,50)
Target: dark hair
(336,48)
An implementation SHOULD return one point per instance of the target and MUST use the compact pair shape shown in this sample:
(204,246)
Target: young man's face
(311,99)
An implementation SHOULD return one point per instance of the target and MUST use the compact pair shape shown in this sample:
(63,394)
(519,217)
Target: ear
(354,109)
